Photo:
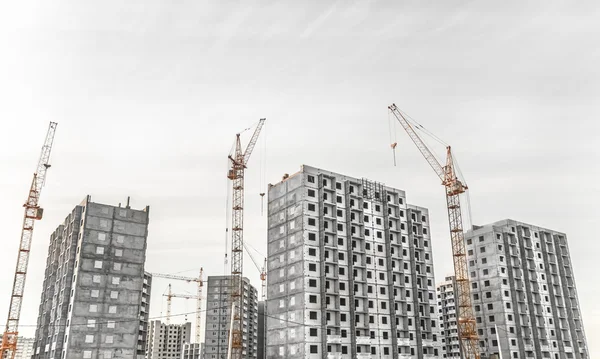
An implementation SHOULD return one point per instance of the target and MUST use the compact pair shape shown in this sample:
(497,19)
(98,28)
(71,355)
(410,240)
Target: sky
(150,94)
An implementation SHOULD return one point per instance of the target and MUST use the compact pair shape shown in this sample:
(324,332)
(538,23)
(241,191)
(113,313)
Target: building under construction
(350,271)
(524,294)
(218,318)
(91,301)
(447,303)
(167,340)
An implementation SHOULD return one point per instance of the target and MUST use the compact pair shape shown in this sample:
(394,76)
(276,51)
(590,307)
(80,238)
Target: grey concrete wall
(288,278)
(142,343)
(53,312)
(262,330)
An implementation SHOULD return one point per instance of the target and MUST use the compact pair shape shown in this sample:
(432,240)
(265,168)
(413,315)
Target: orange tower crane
(239,161)
(33,212)
(200,284)
(467,330)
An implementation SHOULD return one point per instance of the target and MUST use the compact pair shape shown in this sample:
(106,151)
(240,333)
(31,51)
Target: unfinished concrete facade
(193,351)
(218,318)
(350,271)
(144,315)
(446,294)
(523,284)
(91,300)
(57,286)
(167,340)
(262,330)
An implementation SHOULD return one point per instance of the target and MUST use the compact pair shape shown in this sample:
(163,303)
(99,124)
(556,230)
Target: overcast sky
(149,95)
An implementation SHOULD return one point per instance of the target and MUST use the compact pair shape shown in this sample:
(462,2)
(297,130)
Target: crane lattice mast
(467,330)
(200,284)
(239,161)
(33,212)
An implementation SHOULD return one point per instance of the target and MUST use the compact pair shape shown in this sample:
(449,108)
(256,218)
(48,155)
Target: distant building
(24,347)
(446,294)
(92,293)
(144,312)
(218,318)
(193,351)
(350,268)
(167,340)
(524,292)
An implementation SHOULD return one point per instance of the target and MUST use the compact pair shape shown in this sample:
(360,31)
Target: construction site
(332,239)
(349,272)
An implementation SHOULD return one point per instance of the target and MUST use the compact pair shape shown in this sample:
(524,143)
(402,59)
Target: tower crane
(171,295)
(200,284)
(33,212)
(239,162)
(467,330)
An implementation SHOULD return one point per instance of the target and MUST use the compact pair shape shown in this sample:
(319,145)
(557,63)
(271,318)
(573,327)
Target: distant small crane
(200,283)
(171,295)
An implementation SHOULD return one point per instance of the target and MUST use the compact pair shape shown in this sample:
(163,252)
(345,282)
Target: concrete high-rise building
(350,271)
(524,292)
(218,317)
(24,347)
(91,298)
(144,313)
(167,340)
(446,294)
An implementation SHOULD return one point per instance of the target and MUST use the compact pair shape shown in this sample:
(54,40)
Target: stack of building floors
(350,271)
(94,300)
(524,294)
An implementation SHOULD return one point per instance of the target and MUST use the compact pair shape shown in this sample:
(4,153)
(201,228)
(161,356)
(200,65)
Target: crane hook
(393,146)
